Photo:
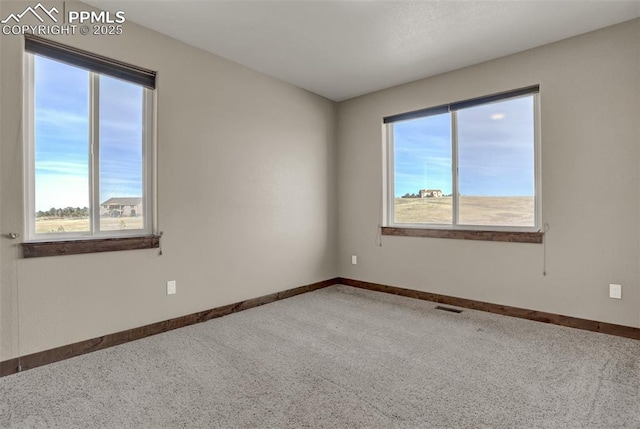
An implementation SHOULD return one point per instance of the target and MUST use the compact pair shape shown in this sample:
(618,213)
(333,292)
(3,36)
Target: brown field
(504,211)
(45,225)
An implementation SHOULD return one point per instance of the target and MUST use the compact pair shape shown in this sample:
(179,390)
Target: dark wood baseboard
(12,366)
(539,316)
(9,366)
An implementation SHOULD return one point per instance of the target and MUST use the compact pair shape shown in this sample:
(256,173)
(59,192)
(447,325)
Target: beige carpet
(341,357)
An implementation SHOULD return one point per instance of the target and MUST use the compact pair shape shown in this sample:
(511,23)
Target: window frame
(148,161)
(390,227)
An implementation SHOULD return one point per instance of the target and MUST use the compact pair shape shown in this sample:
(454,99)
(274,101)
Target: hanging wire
(544,249)
(380,217)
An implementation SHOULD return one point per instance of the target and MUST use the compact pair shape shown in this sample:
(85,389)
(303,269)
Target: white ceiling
(342,49)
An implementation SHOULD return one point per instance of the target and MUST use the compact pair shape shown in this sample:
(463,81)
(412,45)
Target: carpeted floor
(341,357)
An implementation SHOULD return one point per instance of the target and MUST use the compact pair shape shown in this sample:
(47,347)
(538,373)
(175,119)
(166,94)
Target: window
(470,165)
(89,145)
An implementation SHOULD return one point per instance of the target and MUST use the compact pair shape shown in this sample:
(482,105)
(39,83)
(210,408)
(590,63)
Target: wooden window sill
(459,234)
(76,247)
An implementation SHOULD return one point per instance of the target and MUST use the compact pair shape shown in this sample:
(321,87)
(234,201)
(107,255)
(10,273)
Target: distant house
(428,193)
(123,206)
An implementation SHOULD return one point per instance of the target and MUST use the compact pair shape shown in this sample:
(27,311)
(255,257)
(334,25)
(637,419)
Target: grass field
(45,225)
(490,211)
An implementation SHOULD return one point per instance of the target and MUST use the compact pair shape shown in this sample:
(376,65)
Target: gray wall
(590,115)
(246,199)
(251,179)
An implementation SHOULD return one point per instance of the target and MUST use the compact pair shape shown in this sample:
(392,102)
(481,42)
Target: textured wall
(246,196)
(247,192)
(590,110)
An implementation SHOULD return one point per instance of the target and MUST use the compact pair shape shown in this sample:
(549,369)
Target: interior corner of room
(264,187)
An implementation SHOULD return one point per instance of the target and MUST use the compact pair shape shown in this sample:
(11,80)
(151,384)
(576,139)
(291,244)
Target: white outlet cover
(354,260)
(615,291)
(171,287)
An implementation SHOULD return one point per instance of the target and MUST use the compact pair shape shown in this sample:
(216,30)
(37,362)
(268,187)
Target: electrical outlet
(615,291)
(354,260)
(171,287)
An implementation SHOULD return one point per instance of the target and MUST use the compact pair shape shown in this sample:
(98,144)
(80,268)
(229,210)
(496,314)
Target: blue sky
(62,136)
(495,147)
(422,154)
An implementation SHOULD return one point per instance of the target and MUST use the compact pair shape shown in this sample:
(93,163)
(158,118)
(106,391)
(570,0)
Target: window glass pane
(422,170)
(61,147)
(496,163)
(121,164)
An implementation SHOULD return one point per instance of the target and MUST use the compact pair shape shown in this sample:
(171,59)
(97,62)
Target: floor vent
(449,309)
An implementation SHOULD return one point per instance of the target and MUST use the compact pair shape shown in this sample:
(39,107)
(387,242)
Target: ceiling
(342,49)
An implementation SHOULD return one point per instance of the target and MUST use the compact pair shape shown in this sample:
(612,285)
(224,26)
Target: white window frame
(389,182)
(148,162)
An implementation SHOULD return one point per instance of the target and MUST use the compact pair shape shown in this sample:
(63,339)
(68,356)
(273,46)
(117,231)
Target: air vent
(449,309)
